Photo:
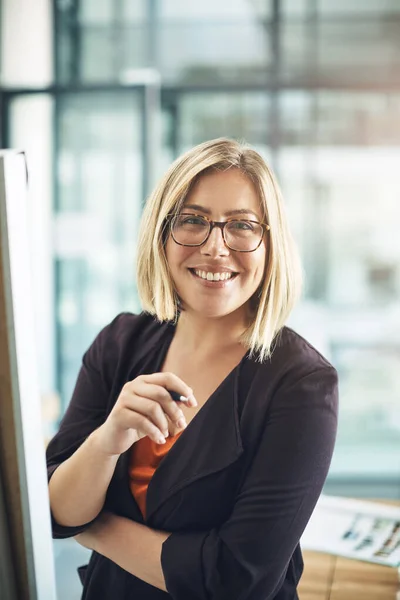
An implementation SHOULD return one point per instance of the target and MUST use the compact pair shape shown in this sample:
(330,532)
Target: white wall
(26,43)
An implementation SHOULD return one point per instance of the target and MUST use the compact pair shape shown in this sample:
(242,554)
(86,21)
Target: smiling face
(216,195)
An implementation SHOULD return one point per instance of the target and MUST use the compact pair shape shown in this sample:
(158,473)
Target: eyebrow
(229,213)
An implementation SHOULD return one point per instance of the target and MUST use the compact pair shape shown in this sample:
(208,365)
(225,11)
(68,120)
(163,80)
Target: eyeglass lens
(239,234)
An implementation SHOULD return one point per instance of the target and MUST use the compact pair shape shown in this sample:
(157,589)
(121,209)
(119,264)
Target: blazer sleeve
(85,413)
(248,556)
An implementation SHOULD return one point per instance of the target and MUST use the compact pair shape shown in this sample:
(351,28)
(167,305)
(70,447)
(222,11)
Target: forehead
(221,192)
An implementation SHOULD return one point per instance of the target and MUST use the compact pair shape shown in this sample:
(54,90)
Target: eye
(190,220)
(194,220)
(242,225)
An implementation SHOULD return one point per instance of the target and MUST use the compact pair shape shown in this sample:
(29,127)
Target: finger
(162,398)
(149,408)
(172,382)
(144,426)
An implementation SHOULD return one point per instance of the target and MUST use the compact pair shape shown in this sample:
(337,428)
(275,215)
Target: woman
(203,493)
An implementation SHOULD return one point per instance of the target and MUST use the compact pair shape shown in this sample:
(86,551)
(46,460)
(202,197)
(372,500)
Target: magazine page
(367,531)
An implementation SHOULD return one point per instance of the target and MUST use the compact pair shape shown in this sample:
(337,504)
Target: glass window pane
(346,8)
(342,200)
(327,7)
(135,11)
(99,205)
(205,116)
(100,58)
(189,42)
(96,11)
(294,8)
(108,52)
(214,52)
(183,10)
(317,52)
(107,11)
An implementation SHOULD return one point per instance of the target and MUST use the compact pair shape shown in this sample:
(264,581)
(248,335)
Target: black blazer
(238,486)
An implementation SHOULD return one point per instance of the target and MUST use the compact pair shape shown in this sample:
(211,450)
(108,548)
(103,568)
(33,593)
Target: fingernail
(161,440)
(166,433)
(181,423)
(193,400)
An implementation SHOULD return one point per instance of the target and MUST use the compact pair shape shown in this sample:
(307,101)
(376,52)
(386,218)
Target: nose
(215,245)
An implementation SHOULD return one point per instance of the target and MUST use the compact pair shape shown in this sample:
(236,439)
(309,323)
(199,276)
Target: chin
(211,311)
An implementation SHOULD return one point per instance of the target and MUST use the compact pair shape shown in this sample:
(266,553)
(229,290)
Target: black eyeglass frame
(221,225)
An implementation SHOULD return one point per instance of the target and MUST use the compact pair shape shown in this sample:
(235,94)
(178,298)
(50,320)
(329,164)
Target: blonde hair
(282,282)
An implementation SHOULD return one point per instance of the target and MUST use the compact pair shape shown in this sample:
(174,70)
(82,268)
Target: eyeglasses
(240,235)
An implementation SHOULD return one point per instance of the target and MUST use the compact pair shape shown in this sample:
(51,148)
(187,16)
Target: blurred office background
(104,94)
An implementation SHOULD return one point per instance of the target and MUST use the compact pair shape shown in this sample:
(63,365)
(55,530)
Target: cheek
(256,265)
(176,255)
(172,252)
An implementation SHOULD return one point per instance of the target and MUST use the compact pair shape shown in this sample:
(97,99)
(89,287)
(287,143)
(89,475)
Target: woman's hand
(141,410)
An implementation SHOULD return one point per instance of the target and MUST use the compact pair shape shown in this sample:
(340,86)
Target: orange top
(145,457)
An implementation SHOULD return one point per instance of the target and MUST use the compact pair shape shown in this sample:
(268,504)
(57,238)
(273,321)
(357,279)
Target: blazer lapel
(153,336)
(210,443)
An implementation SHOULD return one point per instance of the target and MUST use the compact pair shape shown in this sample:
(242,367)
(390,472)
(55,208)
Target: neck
(204,335)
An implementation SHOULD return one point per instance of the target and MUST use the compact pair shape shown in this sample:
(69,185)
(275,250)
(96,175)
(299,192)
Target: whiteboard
(27,565)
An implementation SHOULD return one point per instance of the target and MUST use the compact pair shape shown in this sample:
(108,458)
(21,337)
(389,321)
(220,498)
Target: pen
(177,397)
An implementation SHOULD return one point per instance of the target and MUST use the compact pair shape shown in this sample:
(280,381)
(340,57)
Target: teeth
(213,276)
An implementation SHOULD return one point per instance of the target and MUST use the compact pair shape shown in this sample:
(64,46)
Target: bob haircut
(272,303)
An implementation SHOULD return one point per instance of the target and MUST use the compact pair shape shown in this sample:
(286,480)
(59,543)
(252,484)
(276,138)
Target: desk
(327,577)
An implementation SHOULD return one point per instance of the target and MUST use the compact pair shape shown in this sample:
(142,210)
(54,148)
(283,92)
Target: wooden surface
(327,577)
